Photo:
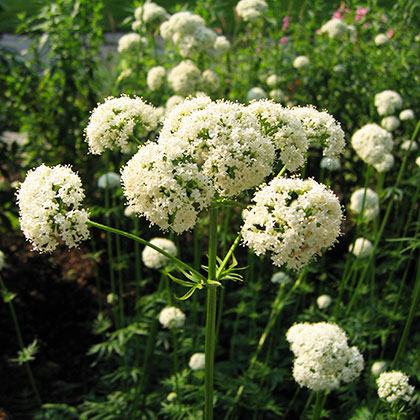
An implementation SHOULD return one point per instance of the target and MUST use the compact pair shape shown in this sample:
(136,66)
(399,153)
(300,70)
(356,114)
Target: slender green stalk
(175,360)
(20,341)
(211,318)
(320,398)
(307,404)
(177,261)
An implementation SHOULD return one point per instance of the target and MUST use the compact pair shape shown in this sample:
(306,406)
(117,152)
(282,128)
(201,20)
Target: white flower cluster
(284,128)
(335,28)
(378,367)
(366,201)
(406,115)
(373,144)
(109,180)
(221,46)
(301,62)
(197,361)
(293,219)
(390,123)
(277,95)
(394,386)
(156,77)
(387,102)
(50,207)
(331,164)
(250,10)
(381,39)
(154,259)
(130,41)
(280,277)
(361,248)
(113,122)
(323,301)
(323,357)
(184,78)
(321,128)
(189,32)
(210,81)
(172,317)
(273,80)
(255,94)
(149,13)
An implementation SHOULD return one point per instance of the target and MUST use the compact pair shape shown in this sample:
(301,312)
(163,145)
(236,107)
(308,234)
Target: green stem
(320,398)
(211,318)
(175,360)
(20,341)
(177,261)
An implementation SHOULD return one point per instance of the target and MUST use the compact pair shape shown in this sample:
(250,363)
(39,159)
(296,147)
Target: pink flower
(287,19)
(285,26)
(258,50)
(390,33)
(284,40)
(318,31)
(337,15)
(362,11)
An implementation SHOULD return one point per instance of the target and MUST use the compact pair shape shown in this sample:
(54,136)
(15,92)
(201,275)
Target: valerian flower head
(393,386)
(255,94)
(150,13)
(390,123)
(378,367)
(113,122)
(154,259)
(406,115)
(373,144)
(335,28)
(251,10)
(197,361)
(387,102)
(322,129)
(323,357)
(109,180)
(361,248)
(409,145)
(293,220)
(50,200)
(331,164)
(184,78)
(381,39)
(172,317)
(131,41)
(156,77)
(301,62)
(366,201)
(323,301)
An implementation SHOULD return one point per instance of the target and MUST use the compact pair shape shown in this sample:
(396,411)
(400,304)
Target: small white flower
(197,361)
(368,202)
(335,28)
(210,81)
(301,62)
(323,357)
(381,39)
(150,13)
(412,146)
(387,102)
(109,180)
(156,77)
(390,123)
(323,301)
(251,10)
(339,68)
(131,41)
(172,317)
(111,298)
(50,208)
(273,80)
(171,396)
(113,122)
(394,386)
(184,78)
(406,115)
(333,164)
(221,45)
(361,248)
(173,101)
(255,93)
(277,95)
(378,367)
(154,259)
(293,220)
(280,277)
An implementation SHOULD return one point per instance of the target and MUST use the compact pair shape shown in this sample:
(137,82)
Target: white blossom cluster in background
(172,317)
(156,77)
(197,361)
(335,28)
(109,180)
(251,10)
(185,78)
(323,357)
(361,248)
(381,39)
(131,41)
(366,202)
(293,220)
(373,144)
(154,259)
(387,102)
(49,201)
(149,13)
(301,62)
(113,122)
(393,386)
(189,33)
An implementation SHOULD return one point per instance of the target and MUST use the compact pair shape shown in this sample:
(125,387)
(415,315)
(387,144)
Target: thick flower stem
(211,318)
